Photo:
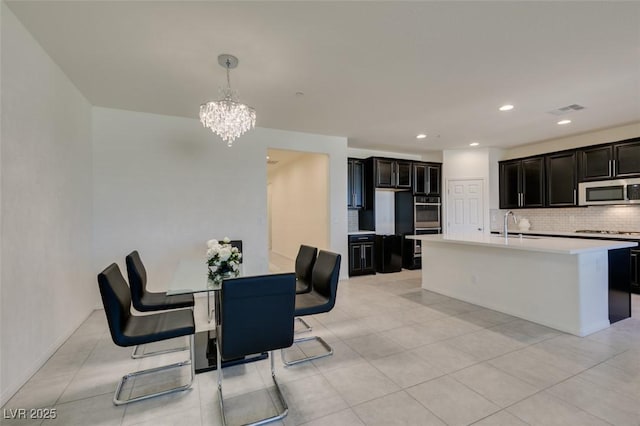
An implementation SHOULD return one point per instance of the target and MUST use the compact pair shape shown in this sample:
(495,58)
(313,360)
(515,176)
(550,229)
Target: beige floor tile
(485,344)
(529,368)
(407,369)
(452,401)
(311,398)
(343,356)
(543,409)
(495,385)
(412,336)
(615,407)
(342,418)
(374,346)
(501,418)
(486,317)
(98,411)
(445,357)
(360,383)
(609,376)
(396,409)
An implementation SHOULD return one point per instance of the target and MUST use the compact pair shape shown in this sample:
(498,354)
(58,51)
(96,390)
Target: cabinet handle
(574,196)
(610,174)
(614,168)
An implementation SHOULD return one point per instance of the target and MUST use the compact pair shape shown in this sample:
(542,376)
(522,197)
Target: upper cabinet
(355,191)
(391,173)
(426,178)
(522,183)
(617,160)
(562,179)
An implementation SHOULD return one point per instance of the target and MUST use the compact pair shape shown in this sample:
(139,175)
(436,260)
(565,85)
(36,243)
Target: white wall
(592,138)
(164,185)
(47,285)
(299,211)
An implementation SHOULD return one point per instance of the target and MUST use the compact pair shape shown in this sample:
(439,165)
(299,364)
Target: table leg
(205,353)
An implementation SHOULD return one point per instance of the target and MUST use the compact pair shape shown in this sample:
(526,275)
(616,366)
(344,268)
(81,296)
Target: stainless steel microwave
(618,191)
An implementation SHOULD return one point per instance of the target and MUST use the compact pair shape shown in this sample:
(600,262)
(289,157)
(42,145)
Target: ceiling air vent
(567,109)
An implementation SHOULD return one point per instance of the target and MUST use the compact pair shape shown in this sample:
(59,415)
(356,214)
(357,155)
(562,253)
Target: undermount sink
(524,237)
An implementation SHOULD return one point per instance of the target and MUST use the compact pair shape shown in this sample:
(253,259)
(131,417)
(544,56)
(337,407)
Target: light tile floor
(402,356)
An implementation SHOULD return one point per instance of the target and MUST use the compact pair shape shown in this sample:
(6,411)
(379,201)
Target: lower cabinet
(361,255)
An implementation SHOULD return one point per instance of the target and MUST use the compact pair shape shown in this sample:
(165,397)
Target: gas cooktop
(593,231)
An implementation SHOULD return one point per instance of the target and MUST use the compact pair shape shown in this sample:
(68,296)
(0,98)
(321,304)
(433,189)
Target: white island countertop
(527,243)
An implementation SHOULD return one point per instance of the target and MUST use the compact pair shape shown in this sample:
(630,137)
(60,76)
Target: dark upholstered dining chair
(321,298)
(305,260)
(146,301)
(130,330)
(255,315)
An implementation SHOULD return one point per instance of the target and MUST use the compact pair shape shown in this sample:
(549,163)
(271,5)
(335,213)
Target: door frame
(445,203)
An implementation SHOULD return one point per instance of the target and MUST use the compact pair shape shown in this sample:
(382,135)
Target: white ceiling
(377,73)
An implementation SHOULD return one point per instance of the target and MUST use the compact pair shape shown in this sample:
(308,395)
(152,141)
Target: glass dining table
(191,276)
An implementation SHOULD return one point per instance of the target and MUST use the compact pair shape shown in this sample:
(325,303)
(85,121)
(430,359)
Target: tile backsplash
(612,218)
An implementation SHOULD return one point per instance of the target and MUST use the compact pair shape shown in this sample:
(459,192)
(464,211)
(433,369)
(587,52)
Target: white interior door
(465,206)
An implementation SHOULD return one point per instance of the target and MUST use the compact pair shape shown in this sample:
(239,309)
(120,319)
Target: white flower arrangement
(223,259)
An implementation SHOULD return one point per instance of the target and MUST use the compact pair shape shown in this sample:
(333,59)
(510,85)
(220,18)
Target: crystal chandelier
(228,118)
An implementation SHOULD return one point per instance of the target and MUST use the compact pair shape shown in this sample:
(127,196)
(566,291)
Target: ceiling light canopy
(228,118)
(506,107)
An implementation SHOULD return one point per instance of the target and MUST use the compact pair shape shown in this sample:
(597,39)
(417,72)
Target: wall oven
(426,212)
(617,191)
(426,220)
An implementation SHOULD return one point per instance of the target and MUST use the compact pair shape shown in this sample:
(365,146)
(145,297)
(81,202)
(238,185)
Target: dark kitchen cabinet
(562,179)
(522,183)
(426,178)
(627,159)
(596,163)
(616,160)
(361,254)
(355,191)
(391,173)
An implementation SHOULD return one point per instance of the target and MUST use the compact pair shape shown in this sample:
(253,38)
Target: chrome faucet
(506,222)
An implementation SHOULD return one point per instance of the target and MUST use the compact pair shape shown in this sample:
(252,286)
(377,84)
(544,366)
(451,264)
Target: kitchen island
(562,283)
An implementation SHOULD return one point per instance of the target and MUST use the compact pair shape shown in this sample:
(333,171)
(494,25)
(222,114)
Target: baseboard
(12,389)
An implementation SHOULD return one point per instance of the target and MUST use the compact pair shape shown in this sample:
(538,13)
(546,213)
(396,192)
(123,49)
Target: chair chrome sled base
(137,353)
(307,327)
(285,407)
(308,358)
(190,362)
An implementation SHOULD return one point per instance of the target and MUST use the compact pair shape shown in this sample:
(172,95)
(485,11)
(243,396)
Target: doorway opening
(297,204)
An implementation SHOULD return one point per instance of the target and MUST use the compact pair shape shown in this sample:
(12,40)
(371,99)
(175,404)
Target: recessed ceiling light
(561,122)
(268,158)
(506,107)
(474,144)
(421,136)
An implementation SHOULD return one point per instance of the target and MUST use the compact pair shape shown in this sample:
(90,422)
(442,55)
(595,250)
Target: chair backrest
(256,314)
(305,260)
(116,299)
(237,244)
(137,278)
(326,271)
